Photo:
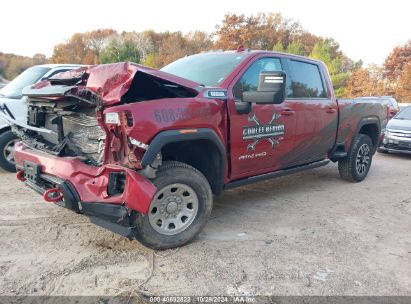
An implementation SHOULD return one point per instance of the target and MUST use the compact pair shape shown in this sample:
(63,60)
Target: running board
(258,178)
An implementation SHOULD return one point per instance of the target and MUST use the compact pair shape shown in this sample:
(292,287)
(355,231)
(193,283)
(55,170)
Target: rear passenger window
(306,81)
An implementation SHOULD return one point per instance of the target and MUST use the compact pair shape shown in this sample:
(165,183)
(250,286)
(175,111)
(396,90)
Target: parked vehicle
(142,151)
(10,95)
(397,135)
(389,101)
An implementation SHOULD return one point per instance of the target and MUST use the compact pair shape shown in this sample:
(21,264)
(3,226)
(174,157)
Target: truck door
(316,111)
(260,138)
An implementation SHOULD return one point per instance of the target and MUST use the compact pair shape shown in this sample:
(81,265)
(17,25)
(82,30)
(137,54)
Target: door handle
(330,110)
(287,112)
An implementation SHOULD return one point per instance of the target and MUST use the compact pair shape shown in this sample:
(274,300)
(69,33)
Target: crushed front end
(77,157)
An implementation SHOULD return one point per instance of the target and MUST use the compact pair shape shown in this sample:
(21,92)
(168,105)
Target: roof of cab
(266,52)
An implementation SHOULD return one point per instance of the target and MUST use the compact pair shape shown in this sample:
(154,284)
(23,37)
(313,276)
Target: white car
(10,95)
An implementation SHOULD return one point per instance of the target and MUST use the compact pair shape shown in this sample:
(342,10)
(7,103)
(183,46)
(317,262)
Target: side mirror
(271,88)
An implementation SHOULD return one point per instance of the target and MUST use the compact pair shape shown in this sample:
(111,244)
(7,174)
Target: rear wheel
(7,142)
(179,209)
(356,165)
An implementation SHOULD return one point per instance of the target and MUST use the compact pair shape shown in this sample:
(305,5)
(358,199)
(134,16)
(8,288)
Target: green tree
(150,60)
(296,48)
(120,50)
(339,66)
(279,47)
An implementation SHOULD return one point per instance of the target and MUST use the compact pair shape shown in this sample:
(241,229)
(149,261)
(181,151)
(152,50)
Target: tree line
(262,31)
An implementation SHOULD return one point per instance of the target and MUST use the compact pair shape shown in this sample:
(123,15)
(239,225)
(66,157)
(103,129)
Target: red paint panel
(154,116)
(91,182)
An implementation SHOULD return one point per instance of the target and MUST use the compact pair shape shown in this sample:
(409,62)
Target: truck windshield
(208,69)
(30,76)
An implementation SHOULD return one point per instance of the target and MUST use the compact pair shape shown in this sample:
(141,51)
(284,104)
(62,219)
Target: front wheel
(7,141)
(355,166)
(179,209)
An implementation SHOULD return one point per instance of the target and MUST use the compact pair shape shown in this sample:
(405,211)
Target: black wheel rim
(363,159)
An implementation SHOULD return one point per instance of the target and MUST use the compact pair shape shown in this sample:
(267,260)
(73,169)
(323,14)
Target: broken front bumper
(86,189)
(396,142)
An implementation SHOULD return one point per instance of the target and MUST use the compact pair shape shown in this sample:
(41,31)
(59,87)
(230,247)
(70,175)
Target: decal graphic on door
(271,131)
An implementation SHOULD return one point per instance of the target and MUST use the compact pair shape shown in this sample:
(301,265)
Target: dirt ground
(306,234)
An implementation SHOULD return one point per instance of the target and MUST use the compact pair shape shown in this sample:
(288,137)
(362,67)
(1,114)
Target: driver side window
(250,79)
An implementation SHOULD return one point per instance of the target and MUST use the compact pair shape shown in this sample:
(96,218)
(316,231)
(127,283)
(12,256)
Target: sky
(365,29)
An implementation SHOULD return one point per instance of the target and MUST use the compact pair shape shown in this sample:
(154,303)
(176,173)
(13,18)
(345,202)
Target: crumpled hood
(109,81)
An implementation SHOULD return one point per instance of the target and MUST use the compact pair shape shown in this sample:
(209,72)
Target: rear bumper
(85,185)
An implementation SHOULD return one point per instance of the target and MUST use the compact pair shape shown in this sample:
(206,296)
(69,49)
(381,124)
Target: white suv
(10,95)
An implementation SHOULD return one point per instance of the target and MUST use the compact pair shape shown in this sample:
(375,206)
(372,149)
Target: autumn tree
(75,50)
(17,65)
(174,45)
(197,42)
(396,71)
(12,65)
(261,31)
(97,40)
(403,90)
(82,48)
(232,32)
(395,62)
(364,82)
(39,59)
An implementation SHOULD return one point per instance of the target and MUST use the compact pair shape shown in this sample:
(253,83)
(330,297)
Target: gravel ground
(305,234)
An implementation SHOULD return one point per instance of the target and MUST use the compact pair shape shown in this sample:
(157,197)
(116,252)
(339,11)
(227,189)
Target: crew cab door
(315,108)
(261,137)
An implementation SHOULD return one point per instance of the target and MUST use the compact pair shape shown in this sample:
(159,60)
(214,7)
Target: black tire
(382,151)
(173,172)
(6,139)
(348,168)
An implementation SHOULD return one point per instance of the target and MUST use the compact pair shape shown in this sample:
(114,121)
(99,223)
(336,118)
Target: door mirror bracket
(242,107)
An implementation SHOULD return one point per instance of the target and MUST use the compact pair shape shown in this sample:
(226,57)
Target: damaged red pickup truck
(142,151)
